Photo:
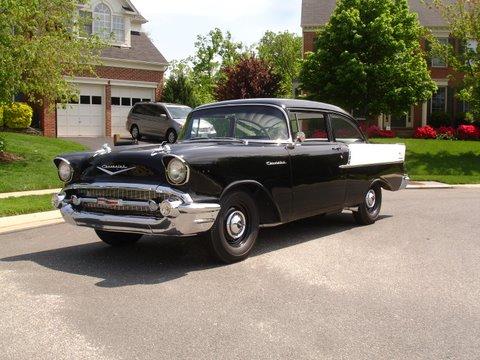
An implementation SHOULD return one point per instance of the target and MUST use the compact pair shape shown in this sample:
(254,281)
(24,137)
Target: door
(84,116)
(123,98)
(317,181)
(158,122)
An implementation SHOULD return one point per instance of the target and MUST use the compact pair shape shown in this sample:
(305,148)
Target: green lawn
(25,205)
(451,162)
(37,170)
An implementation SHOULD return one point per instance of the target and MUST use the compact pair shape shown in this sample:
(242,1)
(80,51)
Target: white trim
(441,82)
(100,81)
(375,154)
(134,64)
(424,113)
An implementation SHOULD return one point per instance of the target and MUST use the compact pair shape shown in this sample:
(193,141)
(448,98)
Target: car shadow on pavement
(156,260)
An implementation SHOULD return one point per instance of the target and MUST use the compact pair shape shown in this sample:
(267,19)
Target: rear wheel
(171,136)
(135,132)
(118,239)
(236,229)
(369,210)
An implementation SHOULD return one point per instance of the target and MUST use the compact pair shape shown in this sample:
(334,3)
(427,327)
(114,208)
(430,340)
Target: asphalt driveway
(407,287)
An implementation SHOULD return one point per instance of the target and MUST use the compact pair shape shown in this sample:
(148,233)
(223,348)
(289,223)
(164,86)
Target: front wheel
(135,132)
(369,209)
(236,229)
(118,239)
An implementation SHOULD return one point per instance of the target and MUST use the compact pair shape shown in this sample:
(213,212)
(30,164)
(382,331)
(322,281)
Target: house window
(118,29)
(116,101)
(86,22)
(85,100)
(102,22)
(96,100)
(439,100)
(126,102)
(439,62)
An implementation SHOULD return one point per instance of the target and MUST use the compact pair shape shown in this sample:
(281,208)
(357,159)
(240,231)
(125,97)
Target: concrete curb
(29,221)
(28,193)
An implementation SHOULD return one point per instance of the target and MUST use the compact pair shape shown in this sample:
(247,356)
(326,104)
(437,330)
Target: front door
(317,182)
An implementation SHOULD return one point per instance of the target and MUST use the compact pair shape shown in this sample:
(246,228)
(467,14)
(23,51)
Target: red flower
(468,132)
(375,132)
(446,131)
(425,132)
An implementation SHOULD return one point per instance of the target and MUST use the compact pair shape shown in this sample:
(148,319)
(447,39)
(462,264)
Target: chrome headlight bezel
(65,171)
(177,171)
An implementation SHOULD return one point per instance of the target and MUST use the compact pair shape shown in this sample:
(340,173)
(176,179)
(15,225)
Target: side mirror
(300,137)
(163,117)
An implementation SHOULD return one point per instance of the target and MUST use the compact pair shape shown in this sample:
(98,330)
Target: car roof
(284,103)
(161,103)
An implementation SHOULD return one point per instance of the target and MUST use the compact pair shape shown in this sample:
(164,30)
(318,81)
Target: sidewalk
(29,221)
(29,193)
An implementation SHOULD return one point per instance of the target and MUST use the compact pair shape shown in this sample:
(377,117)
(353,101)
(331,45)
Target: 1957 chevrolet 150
(239,165)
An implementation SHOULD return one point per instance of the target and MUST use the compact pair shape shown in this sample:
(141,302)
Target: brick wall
(309,38)
(108,109)
(48,120)
(116,73)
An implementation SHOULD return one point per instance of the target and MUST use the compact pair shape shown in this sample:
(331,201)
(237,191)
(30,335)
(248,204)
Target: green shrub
(440,119)
(1,116)
(17,116)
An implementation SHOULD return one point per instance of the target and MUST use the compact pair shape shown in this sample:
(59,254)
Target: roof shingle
(318,12)
(142,49)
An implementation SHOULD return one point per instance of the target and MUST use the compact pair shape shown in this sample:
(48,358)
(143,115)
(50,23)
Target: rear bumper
(182,217)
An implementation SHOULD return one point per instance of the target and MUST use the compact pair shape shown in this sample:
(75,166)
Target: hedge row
(463,132)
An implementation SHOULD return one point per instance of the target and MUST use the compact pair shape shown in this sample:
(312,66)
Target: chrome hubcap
(236,224)
(171,137)
(135,133)
(370,198)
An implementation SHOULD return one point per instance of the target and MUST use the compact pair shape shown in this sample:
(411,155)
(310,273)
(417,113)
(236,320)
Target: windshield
(179,112)
(248,122)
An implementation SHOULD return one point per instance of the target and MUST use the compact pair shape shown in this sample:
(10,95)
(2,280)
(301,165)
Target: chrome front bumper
(405,182)
(184,218)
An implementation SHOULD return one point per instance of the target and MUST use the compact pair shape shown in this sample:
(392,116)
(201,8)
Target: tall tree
(179,87)
(213,51)
(369,59)
(248,78)
(463,18)
(284,51)
(41,46)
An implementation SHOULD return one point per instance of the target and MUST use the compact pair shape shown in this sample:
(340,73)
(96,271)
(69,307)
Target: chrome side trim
(373,164)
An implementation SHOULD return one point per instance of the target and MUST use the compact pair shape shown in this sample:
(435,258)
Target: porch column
(108,110)
(424,114)
(380,121)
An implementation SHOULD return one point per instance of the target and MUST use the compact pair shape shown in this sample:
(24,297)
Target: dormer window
(102,21)
(105,24)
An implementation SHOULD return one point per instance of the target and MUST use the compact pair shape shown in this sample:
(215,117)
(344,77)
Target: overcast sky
(174,24)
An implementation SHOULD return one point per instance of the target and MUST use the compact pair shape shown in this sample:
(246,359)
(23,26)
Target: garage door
(123,98)
(85,117)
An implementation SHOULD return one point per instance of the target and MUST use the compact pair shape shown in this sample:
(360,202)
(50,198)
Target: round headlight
(177,172)
(65,171)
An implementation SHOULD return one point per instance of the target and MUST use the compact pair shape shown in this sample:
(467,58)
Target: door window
(314,125)
(344,130)
(157,110)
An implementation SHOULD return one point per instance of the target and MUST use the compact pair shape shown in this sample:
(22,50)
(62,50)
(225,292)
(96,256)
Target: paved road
(406,287)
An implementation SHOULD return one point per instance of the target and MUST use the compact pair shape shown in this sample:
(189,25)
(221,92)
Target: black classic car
(239,166)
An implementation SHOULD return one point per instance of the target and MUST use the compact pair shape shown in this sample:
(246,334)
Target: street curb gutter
(29,221)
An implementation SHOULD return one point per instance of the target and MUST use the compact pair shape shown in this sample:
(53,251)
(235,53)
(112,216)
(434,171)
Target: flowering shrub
(425,132)
(17,116)
(2,144)
(446,133)
(375,132)
(468,132)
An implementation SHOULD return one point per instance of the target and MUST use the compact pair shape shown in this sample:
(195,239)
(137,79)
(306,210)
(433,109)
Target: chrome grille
(123,210)
(124,194)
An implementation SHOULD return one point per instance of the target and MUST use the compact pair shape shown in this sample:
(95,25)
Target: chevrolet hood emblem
(113,170)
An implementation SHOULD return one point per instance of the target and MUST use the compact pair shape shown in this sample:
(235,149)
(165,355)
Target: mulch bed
(9,158)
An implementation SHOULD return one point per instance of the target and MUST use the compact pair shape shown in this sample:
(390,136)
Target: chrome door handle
(337,148)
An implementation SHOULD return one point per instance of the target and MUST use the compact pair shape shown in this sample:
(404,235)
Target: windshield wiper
(243,141)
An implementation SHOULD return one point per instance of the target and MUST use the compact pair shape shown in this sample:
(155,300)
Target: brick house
(316,13)
(132,70)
